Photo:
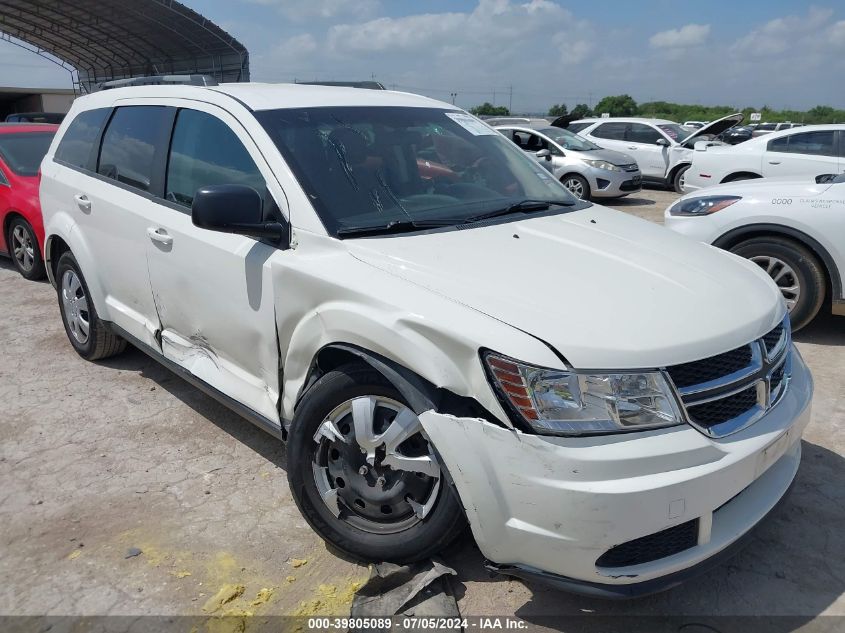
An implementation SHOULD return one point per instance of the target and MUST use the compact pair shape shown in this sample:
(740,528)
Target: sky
(531,54)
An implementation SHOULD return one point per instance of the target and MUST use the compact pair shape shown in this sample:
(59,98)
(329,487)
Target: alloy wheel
(75,307)
(373,466)
(575,187)
(783,275)
(23,248)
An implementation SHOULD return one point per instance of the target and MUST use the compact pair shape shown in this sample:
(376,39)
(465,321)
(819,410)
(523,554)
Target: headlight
(702,206)
(567,402)
(602,164)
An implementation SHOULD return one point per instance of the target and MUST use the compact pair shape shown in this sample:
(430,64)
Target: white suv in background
(805,152)
(663,149)
(436,327)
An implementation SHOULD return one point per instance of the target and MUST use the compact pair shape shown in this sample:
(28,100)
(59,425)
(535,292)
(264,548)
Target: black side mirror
(235,209)
(824,179)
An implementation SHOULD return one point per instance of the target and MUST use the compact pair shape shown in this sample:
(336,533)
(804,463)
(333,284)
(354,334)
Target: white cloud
(324,9)
(684,37)
(796,34)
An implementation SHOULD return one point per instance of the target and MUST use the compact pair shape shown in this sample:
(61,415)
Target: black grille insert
(713,368)
(652,547)
(771,339)
(777,378)
(723,409)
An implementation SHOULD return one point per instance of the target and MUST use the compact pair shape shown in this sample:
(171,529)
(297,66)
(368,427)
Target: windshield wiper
(394,226)
(525,206)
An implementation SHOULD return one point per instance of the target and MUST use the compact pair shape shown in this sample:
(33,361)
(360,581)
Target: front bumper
(613,184)
(549,507)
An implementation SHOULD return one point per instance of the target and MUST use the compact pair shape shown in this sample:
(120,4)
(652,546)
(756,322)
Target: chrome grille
(727,392)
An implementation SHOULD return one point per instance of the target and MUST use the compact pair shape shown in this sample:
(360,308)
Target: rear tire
(794,269)
(86,332)
(24,250)
(363,508)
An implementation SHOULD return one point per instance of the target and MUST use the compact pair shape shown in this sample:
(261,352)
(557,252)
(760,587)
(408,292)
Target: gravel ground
(127,491)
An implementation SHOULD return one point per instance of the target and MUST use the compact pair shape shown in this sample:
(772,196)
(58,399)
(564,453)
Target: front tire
(363,473)
(86,332)
(577,186)
(796,271)
(24,250)
(678,179)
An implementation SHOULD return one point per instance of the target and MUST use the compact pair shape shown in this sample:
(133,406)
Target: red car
(22,146)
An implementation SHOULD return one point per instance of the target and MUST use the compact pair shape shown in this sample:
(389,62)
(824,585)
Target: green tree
(618,105)
(558,109)
(581,111)
(488,108)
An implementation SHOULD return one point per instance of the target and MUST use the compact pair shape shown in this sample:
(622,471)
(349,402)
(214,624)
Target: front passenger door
(214,291)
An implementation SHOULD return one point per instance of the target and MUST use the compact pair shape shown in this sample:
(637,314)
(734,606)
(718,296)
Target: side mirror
(662,141)
(824,179)
(544,153)
(234,209)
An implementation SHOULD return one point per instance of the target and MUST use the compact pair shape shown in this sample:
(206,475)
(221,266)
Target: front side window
(22,153)
(813,143)
(129,144)
(77,144)
(378,166)
(577,127)
(611,131)
(205,151)
(641,133)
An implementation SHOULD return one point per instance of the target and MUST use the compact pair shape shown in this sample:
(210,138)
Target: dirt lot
(100,460)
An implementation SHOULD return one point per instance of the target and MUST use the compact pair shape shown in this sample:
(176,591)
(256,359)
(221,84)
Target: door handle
(774,162)
(632,147)
(82,201)
(160,236)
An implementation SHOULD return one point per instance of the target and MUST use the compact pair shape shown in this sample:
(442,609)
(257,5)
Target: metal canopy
(101,40)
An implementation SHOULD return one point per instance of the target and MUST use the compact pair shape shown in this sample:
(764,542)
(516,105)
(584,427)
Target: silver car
(587,170)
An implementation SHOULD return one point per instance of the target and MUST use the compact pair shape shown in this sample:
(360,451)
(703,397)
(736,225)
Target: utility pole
(454,96)
(510,98)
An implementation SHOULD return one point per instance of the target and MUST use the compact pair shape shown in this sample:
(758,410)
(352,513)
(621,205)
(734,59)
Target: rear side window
(78,142)
(612,131)
(812,143)
(205,151)
(129,144)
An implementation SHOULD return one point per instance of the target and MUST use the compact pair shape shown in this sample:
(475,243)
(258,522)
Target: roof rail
(369,85)
(160,80)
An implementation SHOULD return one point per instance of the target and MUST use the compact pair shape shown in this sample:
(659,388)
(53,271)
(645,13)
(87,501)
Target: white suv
(663,149)
(439,331)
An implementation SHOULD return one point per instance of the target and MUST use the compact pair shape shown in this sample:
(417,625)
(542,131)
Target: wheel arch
(735,236)
(11,214)
(420,393)
(730,177)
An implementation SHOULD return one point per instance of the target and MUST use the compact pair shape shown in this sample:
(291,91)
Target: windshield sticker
(471,124)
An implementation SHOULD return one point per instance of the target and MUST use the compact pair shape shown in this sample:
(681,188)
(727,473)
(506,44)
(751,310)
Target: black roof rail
(369,85)
(160,80)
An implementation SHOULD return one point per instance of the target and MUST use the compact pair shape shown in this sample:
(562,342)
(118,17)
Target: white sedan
(807,151)
(793,230)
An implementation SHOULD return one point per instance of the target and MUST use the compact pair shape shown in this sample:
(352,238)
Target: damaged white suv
(439,331)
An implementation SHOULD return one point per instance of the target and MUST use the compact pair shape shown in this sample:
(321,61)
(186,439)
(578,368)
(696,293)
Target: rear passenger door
(214,291)
(802,155)
(112,200)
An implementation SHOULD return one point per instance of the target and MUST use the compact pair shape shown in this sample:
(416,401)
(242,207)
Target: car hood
(716,127)
(766,188)
(611,156)
(604,289)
